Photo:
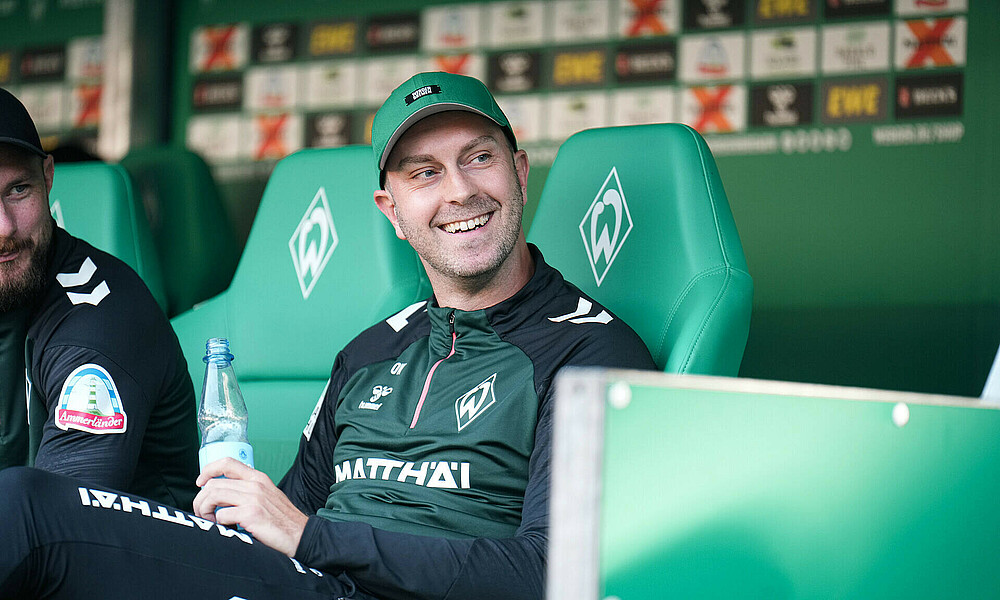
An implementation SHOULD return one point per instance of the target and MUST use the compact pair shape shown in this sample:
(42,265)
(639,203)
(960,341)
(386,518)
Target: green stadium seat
(193,235)
(637,217)
(96,202)
(321,264)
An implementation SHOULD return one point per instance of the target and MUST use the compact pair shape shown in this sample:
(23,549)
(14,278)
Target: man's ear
(48,171)
(521,167)
(385,203)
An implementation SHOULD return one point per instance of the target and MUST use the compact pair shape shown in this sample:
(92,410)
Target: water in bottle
(222,417)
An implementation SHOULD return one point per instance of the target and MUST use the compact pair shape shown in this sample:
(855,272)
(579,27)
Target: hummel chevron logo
(100,293)
(401,319)
(579,316)
(80,278)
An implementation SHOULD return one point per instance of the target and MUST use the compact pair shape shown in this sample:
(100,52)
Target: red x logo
(647,19)
(90,106)
(456,63)
(930,44)
(220,55)
(271,129)
(712,117)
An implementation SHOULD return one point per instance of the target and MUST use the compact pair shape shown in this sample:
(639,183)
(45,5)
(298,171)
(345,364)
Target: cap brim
(420,114)
(25,145)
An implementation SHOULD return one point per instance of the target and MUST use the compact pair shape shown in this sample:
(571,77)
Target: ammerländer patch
(89,402)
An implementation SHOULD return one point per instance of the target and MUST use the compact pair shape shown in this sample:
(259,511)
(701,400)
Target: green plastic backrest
(718,487)
(285,329)
(94,201)
(193,235)
(646,202)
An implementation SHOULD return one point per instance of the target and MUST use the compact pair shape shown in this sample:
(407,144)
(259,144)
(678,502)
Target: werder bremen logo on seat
(313,242)
(606,226)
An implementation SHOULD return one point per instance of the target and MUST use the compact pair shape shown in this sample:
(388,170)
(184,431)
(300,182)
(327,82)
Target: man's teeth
(466,225)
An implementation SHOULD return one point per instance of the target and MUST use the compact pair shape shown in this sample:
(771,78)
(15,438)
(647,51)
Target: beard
(20,289)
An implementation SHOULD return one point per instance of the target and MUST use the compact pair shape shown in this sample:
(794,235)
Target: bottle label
(210,453)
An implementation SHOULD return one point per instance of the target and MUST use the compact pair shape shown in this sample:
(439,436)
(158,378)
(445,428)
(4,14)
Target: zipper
(430,374)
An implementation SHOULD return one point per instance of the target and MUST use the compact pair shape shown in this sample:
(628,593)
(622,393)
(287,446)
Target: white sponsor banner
(663,18)
(516,24)
(855,48)
(330,83)
(644,105)
(85,58)
(271,88)
(451,27)
(715,109)
(789,52)
(924,7)
(218,138)
(46,103)
(712,57)
(581,20)
(928,43)
(219,48)
(382,75)
(572,112)
(471,64)
(525,116)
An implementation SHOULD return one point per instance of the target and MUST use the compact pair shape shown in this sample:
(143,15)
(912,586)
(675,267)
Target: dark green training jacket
(427,459)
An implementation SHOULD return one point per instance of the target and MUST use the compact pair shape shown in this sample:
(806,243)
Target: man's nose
(459,186)
(8,226)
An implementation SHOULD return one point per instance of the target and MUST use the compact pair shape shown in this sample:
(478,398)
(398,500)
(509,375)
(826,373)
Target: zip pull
(430,375)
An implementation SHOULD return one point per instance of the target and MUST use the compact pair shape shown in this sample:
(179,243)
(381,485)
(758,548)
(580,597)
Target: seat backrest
(637,218)
(193,235)
(95,201)
(321,264)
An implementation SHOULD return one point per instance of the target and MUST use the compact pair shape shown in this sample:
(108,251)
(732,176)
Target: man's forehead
(429,130)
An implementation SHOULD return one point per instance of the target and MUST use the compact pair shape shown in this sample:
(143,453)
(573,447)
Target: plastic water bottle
(222,417)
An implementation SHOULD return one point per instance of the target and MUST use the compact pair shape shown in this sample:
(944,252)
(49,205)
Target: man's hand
(248,497)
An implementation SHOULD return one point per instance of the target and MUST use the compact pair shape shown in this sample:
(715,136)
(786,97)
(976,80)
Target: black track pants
(60,538)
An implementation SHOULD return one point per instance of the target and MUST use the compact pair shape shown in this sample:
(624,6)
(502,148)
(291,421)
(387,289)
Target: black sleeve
(108,458)
(398,565)
(307,482)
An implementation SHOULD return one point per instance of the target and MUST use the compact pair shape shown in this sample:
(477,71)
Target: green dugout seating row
(322,263)
(159,211)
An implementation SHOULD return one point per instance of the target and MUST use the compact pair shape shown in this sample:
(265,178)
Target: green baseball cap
(423,95)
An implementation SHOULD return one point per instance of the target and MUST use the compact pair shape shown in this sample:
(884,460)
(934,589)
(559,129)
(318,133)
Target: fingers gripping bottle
(222,417)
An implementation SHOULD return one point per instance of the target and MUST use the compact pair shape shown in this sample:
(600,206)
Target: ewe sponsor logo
(313,242)
(606,226)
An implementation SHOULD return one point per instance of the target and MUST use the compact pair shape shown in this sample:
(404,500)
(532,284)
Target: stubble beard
(473,274)
(18,290)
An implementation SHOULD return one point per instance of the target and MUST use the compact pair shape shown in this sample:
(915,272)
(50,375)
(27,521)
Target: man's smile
(468,225)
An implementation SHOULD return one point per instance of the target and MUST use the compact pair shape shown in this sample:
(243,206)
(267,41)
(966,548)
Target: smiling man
(424,469)
(92,380)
